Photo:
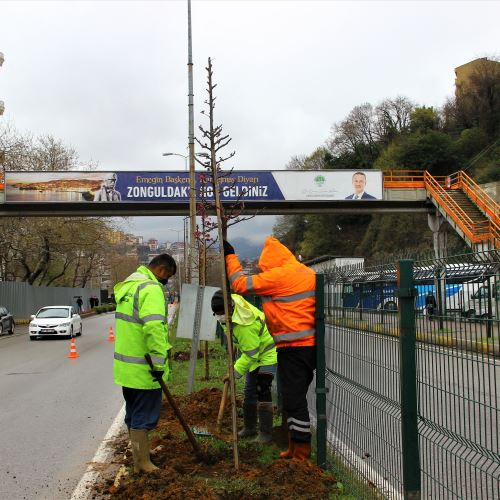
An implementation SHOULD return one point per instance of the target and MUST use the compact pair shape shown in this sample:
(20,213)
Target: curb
(479,346)
(101,457)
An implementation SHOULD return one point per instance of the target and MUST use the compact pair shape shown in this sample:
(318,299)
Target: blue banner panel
(136,187)
(165,187)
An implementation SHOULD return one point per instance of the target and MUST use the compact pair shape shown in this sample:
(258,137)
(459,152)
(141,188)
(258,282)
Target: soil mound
(262,475)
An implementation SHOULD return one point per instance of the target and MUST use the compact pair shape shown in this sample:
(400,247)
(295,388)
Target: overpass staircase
(473,214)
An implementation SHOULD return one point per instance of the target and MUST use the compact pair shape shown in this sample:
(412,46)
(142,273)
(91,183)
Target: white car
(55,321)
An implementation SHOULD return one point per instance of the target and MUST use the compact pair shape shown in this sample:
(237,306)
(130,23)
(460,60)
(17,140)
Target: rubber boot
(140,451)
(265,422)
(302,451)
(249,420)
(291,448)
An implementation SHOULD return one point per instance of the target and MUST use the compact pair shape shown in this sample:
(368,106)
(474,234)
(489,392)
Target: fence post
(361,301)
(408,381)
(321,390)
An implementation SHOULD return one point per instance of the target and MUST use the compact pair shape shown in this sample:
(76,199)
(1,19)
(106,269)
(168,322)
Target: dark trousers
(258,385)
(296,367)
(142,407)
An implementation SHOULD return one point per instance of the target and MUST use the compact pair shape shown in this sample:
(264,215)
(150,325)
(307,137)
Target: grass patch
(237,487)
(218,367)
(267,454)
(349,484)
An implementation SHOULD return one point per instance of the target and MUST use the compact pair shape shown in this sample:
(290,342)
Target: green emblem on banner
(319,180)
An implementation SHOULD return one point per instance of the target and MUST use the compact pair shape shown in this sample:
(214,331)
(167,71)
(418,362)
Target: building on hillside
(153,244)
(116,237)
(177,251)
(142,254)
(249,266)
(464,72)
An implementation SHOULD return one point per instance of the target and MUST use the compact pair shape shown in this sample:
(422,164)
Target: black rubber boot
(249,420)
(265,423)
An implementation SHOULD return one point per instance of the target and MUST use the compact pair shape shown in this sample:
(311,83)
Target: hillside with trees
(399,134)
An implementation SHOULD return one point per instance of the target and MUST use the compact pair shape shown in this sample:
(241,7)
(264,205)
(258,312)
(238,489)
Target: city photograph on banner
(255,185)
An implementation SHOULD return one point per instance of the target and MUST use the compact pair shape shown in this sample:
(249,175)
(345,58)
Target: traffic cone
(72,349)
(111,336)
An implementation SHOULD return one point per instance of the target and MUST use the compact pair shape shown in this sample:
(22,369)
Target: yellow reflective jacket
(251,337)
(141,328)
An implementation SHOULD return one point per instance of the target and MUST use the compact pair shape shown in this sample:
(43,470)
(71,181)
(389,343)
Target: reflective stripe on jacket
(287,288)
(141,328)
(251,337)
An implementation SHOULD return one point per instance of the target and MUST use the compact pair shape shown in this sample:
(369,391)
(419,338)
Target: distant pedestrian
(430,305)
(79,303)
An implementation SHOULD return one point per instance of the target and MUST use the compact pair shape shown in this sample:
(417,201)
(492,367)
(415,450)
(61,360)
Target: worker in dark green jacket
(141,328)
(257,362)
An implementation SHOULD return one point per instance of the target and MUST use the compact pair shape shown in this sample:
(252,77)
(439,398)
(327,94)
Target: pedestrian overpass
(456,198)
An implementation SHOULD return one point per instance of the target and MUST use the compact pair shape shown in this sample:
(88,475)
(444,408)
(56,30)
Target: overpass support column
(437,225)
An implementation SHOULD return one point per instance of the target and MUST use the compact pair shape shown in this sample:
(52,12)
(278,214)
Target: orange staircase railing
(437,186)
(460,180)
(473,231)
(494,235)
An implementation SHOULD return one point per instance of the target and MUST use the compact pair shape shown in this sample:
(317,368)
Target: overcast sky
(110,78)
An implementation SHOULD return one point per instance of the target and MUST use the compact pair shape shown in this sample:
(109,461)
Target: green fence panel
(444,355)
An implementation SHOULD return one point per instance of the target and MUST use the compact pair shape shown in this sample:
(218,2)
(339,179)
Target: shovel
(222,405)
(196,447)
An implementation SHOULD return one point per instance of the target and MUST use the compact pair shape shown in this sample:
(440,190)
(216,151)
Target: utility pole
(2,106)
(192,180)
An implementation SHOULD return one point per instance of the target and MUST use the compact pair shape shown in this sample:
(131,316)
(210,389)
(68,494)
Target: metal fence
(22,299)
(413,376)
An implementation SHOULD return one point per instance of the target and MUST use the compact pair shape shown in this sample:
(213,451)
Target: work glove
(157,374)
(228,248)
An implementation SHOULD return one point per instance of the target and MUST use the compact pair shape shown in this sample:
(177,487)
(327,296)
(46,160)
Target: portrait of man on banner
(107,192)
(358,186)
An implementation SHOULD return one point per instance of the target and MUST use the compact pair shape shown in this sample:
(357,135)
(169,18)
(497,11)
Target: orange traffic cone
(72,349)
(111,336)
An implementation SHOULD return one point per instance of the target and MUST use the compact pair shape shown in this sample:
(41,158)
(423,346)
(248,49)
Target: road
(55,411)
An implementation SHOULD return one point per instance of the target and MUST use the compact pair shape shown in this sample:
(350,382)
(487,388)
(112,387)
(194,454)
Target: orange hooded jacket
(287,288)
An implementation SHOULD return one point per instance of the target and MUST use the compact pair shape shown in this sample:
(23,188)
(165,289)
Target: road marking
(84,487)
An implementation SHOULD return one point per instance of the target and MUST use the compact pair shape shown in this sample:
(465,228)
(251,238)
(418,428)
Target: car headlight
(34,325)
(64,324)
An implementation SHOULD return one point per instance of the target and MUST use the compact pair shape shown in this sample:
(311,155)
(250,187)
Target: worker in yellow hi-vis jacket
(141,328)
(257,362)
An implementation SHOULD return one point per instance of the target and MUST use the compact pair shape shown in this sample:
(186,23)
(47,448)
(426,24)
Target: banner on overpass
(255,185)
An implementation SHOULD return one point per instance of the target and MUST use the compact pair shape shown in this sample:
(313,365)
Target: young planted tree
(212,156)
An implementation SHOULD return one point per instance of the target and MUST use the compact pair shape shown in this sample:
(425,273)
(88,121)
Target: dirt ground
(262,475)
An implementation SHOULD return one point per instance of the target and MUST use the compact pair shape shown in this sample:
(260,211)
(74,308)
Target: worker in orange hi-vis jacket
(287,288)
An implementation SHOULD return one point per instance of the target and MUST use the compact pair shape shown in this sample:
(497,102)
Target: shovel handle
(222,406)
(177,412)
